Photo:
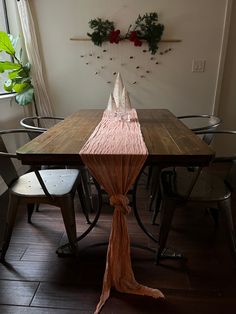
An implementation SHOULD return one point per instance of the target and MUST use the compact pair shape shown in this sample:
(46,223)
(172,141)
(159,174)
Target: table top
(168,140)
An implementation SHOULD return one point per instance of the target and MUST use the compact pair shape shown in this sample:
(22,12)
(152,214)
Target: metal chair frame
(206,137)
(171,199)
(29,122)
(34,123)
(22,189)
(214,121)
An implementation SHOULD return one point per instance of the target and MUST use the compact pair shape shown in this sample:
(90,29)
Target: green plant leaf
(25,97)
(25,70)
(101,30)
(13,74)
(7,65)
(5,44)
(14,40)
(27,66)
(18,88)
(21,80)
(8,86)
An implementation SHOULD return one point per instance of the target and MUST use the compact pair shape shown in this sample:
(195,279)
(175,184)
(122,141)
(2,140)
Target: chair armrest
(26,124)
(14,131)
(18,131)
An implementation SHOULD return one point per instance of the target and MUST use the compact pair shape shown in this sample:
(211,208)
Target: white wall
(10,113)
(171,84)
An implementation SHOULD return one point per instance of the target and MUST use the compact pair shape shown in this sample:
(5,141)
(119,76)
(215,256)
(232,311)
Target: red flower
(133,36)
(137,42)
(114,36)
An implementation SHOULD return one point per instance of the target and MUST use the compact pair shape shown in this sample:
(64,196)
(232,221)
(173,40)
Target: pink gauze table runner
(115,154)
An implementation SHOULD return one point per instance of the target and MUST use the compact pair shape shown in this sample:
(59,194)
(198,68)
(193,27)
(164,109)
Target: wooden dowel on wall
(163,40)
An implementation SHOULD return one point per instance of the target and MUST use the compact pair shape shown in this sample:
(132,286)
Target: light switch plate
(198,65)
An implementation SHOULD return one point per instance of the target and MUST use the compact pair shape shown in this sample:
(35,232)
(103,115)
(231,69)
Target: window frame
(7,29)
(4,5)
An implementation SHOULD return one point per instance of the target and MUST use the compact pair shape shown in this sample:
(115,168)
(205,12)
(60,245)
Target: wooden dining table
(169,141)
(163,140)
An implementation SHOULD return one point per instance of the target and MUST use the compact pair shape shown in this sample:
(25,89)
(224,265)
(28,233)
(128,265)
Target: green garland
(146,28)
(102,29)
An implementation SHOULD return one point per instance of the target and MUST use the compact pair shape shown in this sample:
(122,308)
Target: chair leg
(68,215)
(37,207)
(215,215)
(167,212)
(157,207)
(149,176)
(11,217)
(83,201)
(155,185)
(86,188)
(225,206)
(30,210)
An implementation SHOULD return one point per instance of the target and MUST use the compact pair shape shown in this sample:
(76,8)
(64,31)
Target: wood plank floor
(35,280)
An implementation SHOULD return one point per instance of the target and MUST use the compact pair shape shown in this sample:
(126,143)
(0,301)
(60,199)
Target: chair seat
(208,187)
(57,181)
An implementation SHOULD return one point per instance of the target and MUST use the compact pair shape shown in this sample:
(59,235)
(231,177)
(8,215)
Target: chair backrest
(41,123)
(7,168)
(186,178)
(202,122)
(229,158)
(183,177)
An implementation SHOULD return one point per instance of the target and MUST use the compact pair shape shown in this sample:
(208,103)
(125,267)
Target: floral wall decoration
(144,35)
(146,28)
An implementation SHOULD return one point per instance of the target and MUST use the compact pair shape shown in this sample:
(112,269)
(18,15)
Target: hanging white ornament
(111,106)
(118,89)
(125,101)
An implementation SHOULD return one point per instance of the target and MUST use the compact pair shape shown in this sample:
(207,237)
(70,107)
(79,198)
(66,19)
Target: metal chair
(42,123)
(197,123)
(182,186)
(51,186)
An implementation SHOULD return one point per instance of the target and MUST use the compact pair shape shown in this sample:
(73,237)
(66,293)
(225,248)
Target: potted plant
(18,73)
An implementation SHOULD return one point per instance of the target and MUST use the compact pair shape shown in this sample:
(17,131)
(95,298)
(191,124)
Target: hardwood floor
(35,280)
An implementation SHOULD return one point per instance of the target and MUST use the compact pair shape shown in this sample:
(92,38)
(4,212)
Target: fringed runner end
(141,290)
(105,295)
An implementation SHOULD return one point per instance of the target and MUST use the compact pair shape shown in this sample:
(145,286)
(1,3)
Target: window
(3,16)
(3,27)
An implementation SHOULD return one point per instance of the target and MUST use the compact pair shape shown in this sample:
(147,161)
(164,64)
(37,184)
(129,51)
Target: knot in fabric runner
(120,201)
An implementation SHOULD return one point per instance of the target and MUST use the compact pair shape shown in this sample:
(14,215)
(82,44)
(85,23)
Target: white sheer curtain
(43,102)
